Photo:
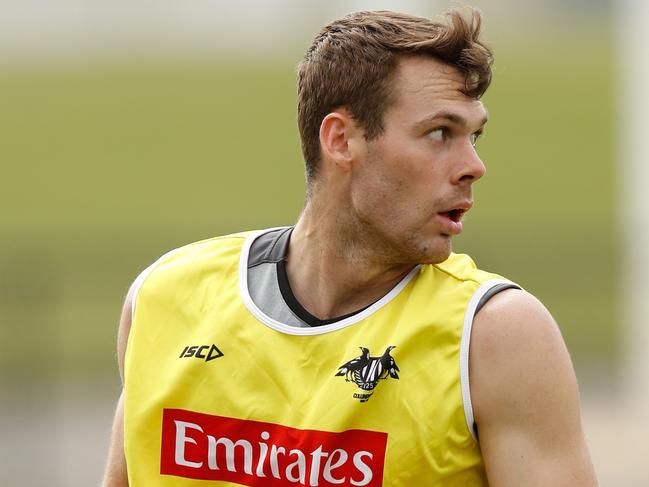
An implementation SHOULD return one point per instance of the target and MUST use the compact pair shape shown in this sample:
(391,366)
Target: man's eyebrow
(450,117)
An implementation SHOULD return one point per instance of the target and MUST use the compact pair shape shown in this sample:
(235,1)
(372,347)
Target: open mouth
(454,215)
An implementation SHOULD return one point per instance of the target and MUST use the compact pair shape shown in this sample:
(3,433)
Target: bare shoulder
(514,322)
(516,352)
(525,396)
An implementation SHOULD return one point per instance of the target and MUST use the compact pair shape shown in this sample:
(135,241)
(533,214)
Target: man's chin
(435,254)
(435,260)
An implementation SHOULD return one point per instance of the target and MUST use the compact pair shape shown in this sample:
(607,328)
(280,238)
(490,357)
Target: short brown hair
(352,61)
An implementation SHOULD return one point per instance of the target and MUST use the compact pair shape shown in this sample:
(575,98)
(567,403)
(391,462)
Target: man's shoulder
(208,247)
(202,249)
(515,339)
(228,240)
(202,256)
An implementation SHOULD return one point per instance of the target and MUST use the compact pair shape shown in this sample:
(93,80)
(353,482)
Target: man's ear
(338,133)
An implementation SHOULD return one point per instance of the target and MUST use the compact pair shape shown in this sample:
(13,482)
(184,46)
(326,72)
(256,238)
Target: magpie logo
(203,352)
(366,371)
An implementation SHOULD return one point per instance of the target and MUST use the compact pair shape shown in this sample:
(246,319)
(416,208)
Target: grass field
(106,168)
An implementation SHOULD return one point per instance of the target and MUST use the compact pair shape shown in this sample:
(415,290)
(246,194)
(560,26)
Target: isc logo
(203,352)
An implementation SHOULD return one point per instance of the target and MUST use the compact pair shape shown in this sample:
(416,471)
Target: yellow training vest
(217,393)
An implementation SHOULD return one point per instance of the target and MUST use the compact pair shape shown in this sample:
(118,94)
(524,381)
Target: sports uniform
(228,380)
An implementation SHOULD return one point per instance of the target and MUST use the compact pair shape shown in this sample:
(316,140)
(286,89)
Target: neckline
(317,330)
(296,307)
(281,245)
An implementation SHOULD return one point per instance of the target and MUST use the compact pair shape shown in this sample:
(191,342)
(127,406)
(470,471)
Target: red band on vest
(254,453)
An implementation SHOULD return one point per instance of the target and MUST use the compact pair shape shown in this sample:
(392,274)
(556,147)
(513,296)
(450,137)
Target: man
(354,348)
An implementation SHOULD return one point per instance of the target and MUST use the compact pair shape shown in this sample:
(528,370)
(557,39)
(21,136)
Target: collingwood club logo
(366,371)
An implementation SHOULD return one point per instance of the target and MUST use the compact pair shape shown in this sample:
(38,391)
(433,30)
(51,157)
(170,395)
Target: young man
(354,348)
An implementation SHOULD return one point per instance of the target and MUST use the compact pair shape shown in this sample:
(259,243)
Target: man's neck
(331,269)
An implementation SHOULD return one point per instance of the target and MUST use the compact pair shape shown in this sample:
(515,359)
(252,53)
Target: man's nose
(470,166)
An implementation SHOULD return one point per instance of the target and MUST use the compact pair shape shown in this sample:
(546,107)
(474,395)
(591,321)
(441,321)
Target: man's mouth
(455,214)
(451,219)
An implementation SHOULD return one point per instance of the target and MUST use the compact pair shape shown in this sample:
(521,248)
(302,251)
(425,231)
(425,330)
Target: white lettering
(211,453)
(299,467)
(263,451)
(300,463)
(181,439)
(363,467)
(332,465)
(316,456)
(229,453)
(274,463)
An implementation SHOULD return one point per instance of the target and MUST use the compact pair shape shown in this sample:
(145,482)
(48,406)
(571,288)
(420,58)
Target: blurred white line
(633,52)
(616,425)
(43,30)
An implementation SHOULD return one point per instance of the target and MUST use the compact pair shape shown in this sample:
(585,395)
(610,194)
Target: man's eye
(438,135)
(474,138)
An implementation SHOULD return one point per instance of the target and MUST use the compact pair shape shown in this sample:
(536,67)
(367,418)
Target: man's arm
(525,397)
(115,474)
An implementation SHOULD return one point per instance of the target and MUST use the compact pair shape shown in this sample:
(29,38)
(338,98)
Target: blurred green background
(108,162)
(107,167)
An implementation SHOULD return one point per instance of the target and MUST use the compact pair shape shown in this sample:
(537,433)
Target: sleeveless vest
(218,393)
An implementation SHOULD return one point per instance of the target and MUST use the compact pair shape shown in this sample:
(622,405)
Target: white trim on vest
(317,330)
(465,342)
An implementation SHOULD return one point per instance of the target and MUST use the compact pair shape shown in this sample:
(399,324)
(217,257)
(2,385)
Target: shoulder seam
(211,239)
(454,276)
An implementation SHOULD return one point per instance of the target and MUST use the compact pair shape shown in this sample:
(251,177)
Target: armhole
(484,293)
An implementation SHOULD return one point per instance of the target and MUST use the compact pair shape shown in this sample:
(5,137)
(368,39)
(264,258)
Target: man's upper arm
(525,397)
(115,474)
